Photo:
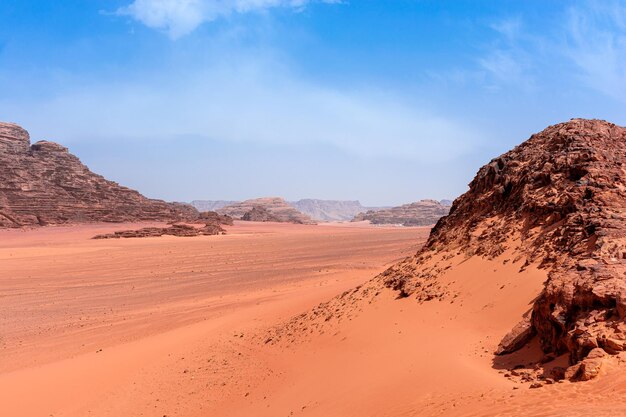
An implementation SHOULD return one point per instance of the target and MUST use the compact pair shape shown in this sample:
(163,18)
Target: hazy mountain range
(321,210)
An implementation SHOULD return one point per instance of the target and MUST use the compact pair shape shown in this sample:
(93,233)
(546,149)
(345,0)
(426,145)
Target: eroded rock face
(420,213)
(259,214)
(278,208)
(212,217)
(44,184)
(561,194)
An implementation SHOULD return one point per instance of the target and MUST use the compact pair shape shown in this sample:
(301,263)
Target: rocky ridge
(211,222)
(179,230)
(259,214)
(561,194)
(420,213)
(277,209)
(43,184)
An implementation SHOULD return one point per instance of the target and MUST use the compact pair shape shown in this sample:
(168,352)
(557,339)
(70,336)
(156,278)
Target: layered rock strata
(277,208)
(420,213)
(558,201)
(42,184)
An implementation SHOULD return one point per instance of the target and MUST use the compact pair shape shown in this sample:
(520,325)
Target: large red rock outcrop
(44,184)
(558,200)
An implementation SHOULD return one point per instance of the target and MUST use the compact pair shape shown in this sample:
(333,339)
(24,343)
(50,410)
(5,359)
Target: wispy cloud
(505,67)
(508,60)
(596,44)
(510,27)
(180,17)
(587,46)
(252,102)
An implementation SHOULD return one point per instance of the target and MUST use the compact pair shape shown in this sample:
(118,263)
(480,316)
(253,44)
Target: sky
(386,101)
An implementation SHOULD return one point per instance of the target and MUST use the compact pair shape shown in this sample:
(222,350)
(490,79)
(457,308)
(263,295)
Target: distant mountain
(211,205)
(266,209)
(420,213)
(330,210)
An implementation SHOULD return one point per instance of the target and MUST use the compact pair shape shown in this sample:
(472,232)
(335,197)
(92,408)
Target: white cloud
(509,58)
(506,66)
(587,46)
(510,27)
(596,44)
(181,17)
(249,102)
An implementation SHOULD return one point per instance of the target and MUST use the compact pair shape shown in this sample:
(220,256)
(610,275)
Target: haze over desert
(316,208)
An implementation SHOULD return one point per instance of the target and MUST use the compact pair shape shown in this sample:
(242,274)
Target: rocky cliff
(276,208)
(420,213)
(558,201)
(44,184)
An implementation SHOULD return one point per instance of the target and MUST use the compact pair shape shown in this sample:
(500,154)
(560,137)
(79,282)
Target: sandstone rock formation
(44,184)
(278,208)
(420,213)
(180,230)
(259,214)
(557,200)
(212,217)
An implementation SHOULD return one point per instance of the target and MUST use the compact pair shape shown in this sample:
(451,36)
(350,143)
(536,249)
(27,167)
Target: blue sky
(382,101)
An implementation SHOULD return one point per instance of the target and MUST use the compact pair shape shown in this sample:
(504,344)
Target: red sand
(175,327)
(86,323)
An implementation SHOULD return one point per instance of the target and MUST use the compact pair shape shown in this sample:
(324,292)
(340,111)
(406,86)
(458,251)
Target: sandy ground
(101,327)
(179,327)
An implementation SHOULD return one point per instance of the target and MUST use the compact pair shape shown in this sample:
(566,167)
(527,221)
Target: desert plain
(165,326)
(200,327)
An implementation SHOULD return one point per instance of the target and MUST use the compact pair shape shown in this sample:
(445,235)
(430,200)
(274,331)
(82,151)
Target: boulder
(516,338)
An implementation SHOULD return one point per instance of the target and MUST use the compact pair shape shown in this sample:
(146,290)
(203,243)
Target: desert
(316,208)
(101,327)
(282,318)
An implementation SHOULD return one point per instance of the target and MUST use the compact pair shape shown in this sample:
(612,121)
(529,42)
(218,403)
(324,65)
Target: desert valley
(316,208)
(507,306)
